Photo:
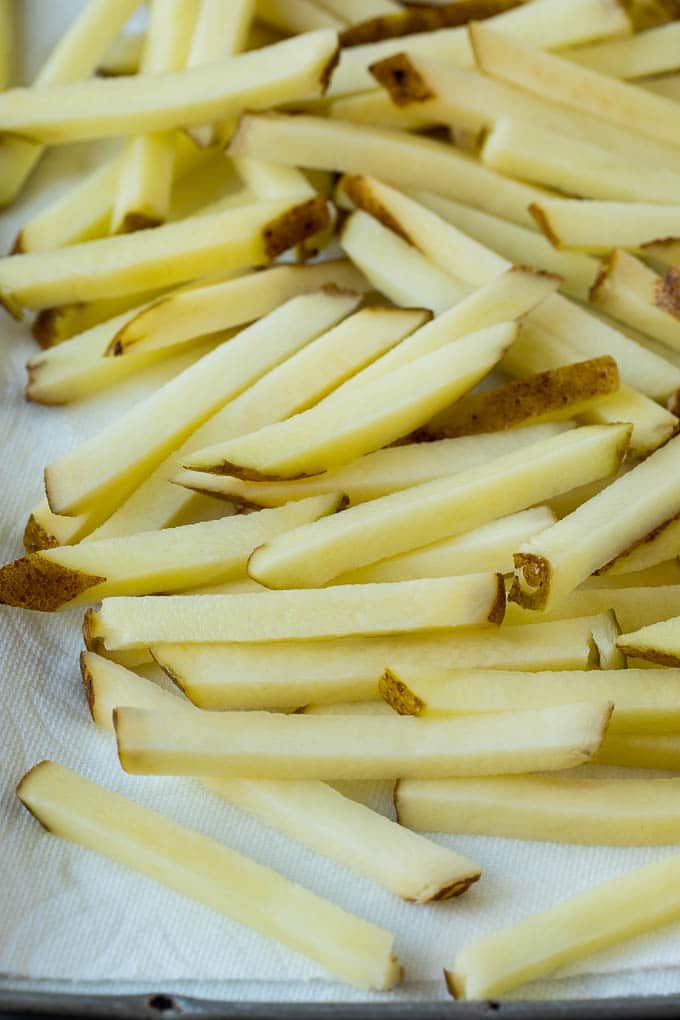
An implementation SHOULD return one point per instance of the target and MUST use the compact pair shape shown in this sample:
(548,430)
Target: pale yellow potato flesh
(370,609)
(657,547)
(52,326)
(641,751)
(557,809)
(123,56)
(664,573)
(647,53)
(645,700)
(267,745)
(297,16)
(599,227)
(657,642)
(635,607)
(377,474)
(311,556)
(375,107)
(191,864)
(626,289)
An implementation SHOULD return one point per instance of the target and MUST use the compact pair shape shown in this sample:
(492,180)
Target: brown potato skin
(358,190)
(398,696)
(402,80)
(667,292)
(295,225)
(35,582)
(536,571)
(36,538)
(422,19)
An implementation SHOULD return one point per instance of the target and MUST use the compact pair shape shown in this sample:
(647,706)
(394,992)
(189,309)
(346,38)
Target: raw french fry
(407,161)
(634,606)
(377,474)
(297,16)
(605,915)
(52,326)
(455,253)
(267,745)
(647,53)
(430,604)
(309,372)
(558,393)
(69,806)
(599,227)
(641,751)
(353,11)
(645,700)
(310,812)
(311,556)
(123,56)
(487,548)
(208,307)
(74,57)
(284,675)
(370,416)
(547,24)
(657,642)
(665,573)
(169,560)
(626,290)
(553,563)
(605,812)
(251,235)
(524,247)
(106,468)
(93,643)
(580,88)
(467,100)
(395,21)
(375,107)
(520,149)
(658,546)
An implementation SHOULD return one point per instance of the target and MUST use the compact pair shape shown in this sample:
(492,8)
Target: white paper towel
(67,915)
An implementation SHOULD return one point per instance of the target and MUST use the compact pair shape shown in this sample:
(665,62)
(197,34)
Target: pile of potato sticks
(318,517)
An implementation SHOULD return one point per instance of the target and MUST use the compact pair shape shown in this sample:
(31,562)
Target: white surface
(68,916)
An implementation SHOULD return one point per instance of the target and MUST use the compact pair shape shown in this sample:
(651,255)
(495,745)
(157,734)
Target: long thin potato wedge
(264,745)
(548,396)
(204,309)
(558,809)
(292,69)
(657,642)
(645,700)
(311,556)
(405,606)
(123,56)
(552,564)
(52,326)
(285,675)
(603,916)
(647,53)
(310,812)
(626,289)
(377,474)
(656,548)
(107,467)
(297,382)
(599,227)
(665,573)
(218,242)
(641,751)
(514,60)
(408,161)
(366,418)
(297,16)
(69,806)
(155,561)
(375,107)
(457,254)
(634,607)
(547,23)
(487,548)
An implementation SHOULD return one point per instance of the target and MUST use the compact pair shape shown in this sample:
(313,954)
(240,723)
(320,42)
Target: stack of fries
(322,509)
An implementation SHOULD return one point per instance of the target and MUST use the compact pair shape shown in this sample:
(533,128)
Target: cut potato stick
(265,745)
(74,57)
(657,642)
(603,916)
(169,560)
(626,289)
(593,812)
(292,69)
(368,609)
(634,607)
(658,546)
(217,242)
(467,100)
(133,659)
(408,161)
(191,864)
(123,56)
(375,107)
(109,466)
(395,22)
(187,313)
(377,474)
(511,59)
(353,11)
(659,575)
(313,555)
(521,246)
(310,812)
(645,700)
(548,396)
(546,24)
(487,548)
(641,751)
(300,380)
(52,326)
(520,149)
(640,501)
(599,227)
(368,417)
(647,53)
(283,675)
(297,16)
